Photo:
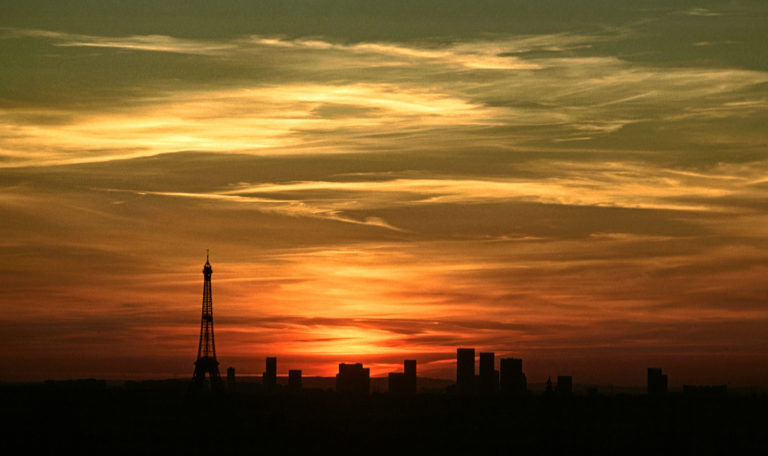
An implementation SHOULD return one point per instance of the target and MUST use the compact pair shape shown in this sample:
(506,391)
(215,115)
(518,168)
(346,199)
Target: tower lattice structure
(206,351)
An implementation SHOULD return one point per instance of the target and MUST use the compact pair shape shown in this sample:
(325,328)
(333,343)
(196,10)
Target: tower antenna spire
(206,350)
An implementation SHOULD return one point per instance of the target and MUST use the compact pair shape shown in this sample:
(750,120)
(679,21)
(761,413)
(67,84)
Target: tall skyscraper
(269,377)
(409,369)
(465,370)
(513,379)
(231,378)
(405,382)
(657,383)
(489,376)
(206,349)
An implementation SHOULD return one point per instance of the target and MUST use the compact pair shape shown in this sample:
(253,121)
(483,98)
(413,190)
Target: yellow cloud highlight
(603,184)
(606,184)
(239,120)
(346,342)
(435,96)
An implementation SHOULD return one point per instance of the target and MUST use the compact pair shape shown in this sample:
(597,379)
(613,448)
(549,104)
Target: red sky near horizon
(586,191)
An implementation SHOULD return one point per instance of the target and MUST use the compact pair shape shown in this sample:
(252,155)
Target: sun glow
(344,342)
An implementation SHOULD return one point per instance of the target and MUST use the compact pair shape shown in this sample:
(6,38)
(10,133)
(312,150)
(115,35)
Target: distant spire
(206,351)
(207,269)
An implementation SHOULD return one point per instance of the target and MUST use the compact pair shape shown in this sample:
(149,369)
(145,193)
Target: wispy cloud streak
(428,96)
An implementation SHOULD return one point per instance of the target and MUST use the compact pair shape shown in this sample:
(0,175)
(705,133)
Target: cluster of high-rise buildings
(354,378)
(509,378)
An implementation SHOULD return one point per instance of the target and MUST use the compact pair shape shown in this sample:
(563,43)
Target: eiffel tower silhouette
(206,351)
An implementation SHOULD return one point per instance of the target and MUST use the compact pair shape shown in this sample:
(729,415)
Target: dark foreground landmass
(90,417)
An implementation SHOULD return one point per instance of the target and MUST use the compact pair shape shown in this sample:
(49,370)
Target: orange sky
(585,190)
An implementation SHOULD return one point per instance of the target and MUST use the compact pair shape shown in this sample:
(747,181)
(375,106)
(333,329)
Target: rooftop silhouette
(353,378)
(405,382)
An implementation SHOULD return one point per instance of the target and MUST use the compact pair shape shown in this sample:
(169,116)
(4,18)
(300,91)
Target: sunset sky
(579,183)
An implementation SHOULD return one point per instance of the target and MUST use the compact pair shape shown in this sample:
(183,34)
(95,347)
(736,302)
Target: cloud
(277,120)
(331,98)
(703,12)
(607,184)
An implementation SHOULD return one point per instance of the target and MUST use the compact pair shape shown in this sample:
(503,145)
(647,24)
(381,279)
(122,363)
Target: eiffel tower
(206,352)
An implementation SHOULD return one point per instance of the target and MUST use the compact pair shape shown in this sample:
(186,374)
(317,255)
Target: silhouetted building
(465,370)
(353,378)
(513,379)
(294,379)
(548,391)
(404,383)
(206,350)
(489,376)
(657,383)
(269,377)
(396,383)
(564,385)
(409,368)
(231,378)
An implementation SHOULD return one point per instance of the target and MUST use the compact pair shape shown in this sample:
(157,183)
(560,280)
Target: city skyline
(578,184)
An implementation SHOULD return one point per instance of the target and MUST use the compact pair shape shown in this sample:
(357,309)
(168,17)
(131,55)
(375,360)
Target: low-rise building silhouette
(294,379)
(405,382)
(513,380)
(396,383)
(231,378)
(465,370)
(488,381)
(353,378)
(657,383)
(564,385)
(269,377)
